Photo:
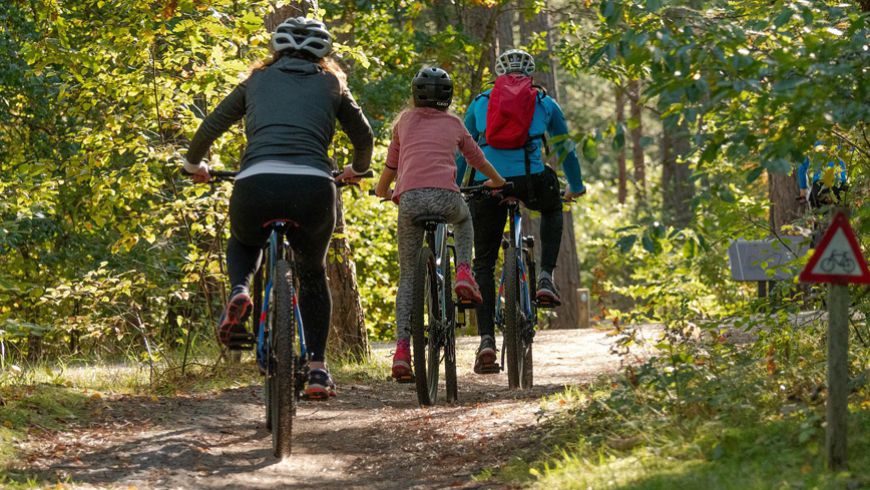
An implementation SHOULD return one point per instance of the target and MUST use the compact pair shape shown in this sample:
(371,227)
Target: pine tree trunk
(567,273)
(505,29)
(620,159)
(784,204)
(480,24)
(636,134)
(348,334)
(677,186)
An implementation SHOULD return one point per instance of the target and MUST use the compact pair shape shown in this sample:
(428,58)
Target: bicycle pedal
(465,305)
(405,379)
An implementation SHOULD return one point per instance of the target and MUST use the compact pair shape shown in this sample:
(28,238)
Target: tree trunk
(567,273)
(505,29)
(636,134)
(784,204)
(677,186)
(480,24)
(288,9)
(620,159)
(348,334)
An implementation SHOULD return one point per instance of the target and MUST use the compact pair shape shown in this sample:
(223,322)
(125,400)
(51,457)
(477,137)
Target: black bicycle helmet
(432,87)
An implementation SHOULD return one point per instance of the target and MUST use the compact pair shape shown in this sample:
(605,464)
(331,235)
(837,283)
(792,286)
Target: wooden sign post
(838,261)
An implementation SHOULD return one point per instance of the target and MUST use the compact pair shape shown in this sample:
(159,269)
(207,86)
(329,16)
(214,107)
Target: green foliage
(735,416)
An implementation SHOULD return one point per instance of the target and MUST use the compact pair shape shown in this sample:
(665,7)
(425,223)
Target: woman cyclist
(290,106)
(421,160)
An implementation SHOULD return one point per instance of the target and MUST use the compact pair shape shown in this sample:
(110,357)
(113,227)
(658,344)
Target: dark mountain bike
(282,354)
(516,313)
(434,313)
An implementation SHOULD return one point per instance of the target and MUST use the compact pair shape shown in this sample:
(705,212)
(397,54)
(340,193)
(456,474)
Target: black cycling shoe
(547,295)
(485,363)
(320,385)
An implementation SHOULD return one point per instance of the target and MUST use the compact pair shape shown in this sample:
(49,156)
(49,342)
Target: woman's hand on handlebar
(349,176)
(199,172)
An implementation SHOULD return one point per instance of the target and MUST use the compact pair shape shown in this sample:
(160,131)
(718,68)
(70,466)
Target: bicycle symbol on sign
(838,260)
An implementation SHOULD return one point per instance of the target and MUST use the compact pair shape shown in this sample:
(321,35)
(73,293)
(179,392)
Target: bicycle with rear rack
(279,337)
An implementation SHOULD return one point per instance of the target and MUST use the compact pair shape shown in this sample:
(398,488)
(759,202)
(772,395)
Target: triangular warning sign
(838,257)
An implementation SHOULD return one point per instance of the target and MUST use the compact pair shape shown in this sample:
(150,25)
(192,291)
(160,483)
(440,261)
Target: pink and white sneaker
(402,362)
(466,287)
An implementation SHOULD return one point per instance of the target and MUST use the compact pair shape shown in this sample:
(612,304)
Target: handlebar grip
(367,175)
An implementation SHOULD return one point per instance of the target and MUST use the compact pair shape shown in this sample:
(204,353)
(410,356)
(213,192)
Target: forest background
(690,118)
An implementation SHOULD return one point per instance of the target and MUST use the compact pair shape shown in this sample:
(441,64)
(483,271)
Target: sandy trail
(372,436)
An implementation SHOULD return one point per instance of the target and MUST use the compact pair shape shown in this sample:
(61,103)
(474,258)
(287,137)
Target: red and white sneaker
(231,329)
(402,362)
(466,287)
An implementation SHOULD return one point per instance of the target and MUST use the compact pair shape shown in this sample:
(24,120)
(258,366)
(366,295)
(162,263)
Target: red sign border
(840,222)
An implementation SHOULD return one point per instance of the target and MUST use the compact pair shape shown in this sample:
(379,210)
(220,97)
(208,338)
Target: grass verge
(728,421)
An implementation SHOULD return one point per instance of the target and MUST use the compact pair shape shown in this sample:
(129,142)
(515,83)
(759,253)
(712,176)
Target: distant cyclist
(510,122)
(290,106)
(826,185)
(421,160)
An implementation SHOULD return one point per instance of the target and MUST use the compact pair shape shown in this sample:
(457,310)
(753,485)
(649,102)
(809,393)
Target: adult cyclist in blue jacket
(538,189)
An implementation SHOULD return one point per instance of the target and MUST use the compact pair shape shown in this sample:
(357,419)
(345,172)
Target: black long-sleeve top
(290,109)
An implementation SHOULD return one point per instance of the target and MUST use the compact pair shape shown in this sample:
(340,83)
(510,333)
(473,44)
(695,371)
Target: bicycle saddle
(510,200)
(428,218)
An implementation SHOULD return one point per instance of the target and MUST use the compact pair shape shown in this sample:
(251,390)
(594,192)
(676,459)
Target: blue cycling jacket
(548,119)
(804,168)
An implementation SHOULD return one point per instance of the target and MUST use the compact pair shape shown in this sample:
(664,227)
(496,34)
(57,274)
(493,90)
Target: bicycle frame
(516,239)
(276,249)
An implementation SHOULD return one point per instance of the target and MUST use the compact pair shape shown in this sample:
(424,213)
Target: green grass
(631,437)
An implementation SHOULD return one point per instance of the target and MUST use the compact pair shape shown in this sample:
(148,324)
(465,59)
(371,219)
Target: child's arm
(495,179)
(383,188)
(474,156)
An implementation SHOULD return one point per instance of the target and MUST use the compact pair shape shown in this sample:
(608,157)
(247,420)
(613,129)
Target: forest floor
(373,435)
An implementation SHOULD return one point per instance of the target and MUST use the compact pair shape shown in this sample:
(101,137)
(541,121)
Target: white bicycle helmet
(302,34)
(515,61)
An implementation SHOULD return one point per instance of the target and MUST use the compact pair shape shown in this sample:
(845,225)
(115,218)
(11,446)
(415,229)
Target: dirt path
(372,435)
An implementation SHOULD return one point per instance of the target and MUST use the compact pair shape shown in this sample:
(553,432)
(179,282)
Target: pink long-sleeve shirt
(422,150)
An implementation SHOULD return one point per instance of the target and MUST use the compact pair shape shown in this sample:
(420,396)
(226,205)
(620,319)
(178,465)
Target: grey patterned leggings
(413,203)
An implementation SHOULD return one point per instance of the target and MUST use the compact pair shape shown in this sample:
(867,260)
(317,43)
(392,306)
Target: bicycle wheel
(512,317)
(450,335)
(282,398)
(424,316)
(527,332)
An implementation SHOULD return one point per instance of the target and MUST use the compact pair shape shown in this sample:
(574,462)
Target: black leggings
(489,217)
(308,201)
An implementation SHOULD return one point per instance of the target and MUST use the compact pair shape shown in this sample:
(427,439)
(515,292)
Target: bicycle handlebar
(223,175)
(482,189)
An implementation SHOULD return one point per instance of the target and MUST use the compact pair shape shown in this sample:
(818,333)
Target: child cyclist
(421,160)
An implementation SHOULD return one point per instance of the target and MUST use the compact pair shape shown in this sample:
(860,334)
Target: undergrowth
(739,417)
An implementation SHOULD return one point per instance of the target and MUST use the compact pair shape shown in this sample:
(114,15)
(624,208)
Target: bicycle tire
(283,398)
(527,332)
(424,271)
(450,381)
(511,317)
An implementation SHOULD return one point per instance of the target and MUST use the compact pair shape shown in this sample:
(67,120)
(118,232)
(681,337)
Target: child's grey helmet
(515,61)
(432,87)
(302,34)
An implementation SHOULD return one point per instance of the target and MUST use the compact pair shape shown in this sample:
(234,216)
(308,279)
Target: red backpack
(510,112)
